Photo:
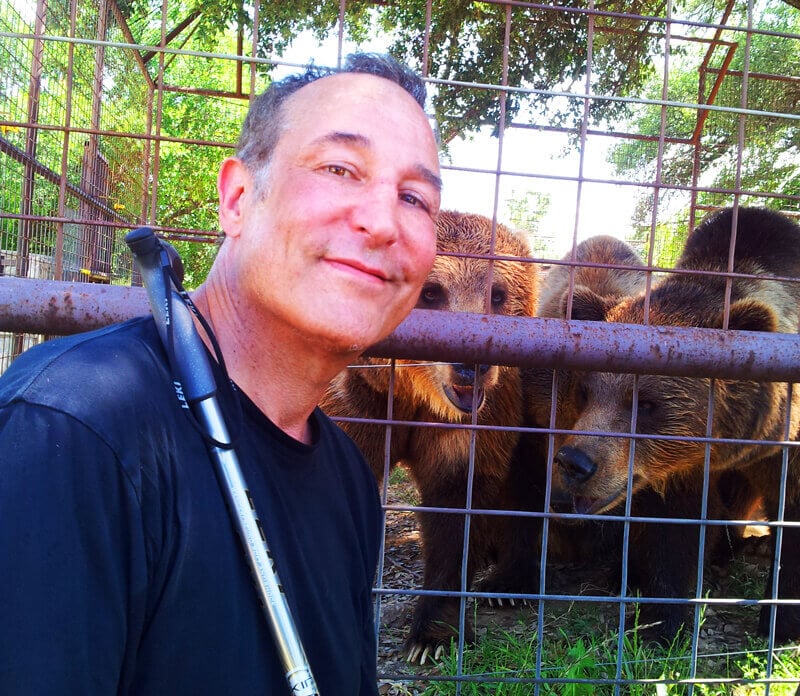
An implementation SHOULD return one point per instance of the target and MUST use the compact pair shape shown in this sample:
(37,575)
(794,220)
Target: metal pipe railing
(58,308)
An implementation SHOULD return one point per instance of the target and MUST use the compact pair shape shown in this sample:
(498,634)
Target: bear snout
(576,466)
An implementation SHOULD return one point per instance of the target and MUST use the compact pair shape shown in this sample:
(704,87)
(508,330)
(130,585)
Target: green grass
(399,476)
(647,670)
(591,656)
(746,580)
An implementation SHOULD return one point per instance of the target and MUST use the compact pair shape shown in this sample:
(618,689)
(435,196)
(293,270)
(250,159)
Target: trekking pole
(196,390)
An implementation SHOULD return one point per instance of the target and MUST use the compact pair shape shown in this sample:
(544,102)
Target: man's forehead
(335,108)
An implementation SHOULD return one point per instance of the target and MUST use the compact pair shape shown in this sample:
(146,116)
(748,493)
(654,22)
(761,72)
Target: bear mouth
(464,397)
(585,505)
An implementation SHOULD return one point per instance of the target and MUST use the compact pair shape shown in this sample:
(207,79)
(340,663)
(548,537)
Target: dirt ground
(725,628)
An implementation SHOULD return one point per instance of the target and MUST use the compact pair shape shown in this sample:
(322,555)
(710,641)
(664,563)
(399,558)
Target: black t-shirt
(120,570)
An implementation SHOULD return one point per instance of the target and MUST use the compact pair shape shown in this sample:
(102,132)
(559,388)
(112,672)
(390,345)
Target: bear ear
(587,305)
(751,315)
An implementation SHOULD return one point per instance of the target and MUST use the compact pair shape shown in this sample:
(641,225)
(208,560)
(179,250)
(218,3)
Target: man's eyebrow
(358,140)
(426,174)
(343,137)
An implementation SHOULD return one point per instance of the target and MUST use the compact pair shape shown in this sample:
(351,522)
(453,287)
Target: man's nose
(375,214)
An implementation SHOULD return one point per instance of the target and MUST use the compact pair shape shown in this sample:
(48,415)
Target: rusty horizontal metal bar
(596,346)
(59,308)
(51,307)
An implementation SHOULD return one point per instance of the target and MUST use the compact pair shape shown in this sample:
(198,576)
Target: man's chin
(351,337)
(347,346)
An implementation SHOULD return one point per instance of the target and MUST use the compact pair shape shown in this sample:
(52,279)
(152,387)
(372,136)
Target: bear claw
(423,652)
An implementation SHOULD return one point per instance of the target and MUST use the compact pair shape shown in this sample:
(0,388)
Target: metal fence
(563,121)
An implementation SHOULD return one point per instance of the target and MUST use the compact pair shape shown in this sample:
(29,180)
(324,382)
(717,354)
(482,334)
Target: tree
(547,50)
(198,123)
(187,195)
(766,159)
(548,47)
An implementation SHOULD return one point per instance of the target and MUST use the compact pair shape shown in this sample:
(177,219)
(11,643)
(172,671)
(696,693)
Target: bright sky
(604,209)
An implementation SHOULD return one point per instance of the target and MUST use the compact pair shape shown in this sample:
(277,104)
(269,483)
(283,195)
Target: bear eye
(431,297)
(646,406)
(498,297)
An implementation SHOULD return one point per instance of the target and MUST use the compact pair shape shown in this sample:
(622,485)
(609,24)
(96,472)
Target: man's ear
(233,182)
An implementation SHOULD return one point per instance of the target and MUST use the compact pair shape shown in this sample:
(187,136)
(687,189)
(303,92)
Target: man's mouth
(355,267)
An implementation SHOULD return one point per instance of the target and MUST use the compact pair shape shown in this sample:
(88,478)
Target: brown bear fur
(438,458)
(610,273)
(667,479)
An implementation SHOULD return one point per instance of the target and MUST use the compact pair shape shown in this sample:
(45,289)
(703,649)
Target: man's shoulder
(88,371)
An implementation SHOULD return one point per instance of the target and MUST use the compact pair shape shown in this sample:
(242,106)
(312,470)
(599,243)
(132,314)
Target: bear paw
(434,628)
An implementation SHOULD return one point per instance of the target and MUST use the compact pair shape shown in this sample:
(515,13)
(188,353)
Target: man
(120,571)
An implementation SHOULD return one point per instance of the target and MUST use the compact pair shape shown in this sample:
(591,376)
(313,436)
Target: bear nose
(576,466)
(467,372)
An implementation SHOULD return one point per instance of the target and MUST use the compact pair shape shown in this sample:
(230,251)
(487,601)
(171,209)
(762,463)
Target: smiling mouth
(358,269)
(464,397)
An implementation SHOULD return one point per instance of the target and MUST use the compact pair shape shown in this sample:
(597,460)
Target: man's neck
(282,374)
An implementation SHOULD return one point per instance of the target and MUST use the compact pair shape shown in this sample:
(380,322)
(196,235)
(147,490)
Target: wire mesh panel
(578,525)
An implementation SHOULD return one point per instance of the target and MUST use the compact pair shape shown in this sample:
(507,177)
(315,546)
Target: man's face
(338,246)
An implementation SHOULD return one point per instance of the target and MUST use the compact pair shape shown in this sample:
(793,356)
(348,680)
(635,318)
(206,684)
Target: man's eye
(411,199)
(337,169)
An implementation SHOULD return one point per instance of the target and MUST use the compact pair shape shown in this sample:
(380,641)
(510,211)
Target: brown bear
(609,268)
(675,471)
(463,279)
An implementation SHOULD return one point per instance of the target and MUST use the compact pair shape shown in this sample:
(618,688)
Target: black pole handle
(189,361)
